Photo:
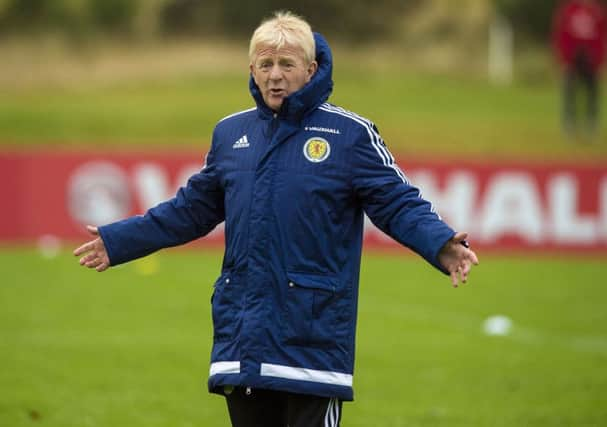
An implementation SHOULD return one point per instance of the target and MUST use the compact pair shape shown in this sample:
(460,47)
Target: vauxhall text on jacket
(292,188)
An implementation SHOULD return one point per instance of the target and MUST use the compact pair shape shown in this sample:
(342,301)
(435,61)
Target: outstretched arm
(393,204)
(95,254)
(398,209)
(457,258)
(194,211)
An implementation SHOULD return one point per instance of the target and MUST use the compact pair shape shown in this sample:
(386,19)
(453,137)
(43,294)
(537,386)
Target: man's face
(280,72)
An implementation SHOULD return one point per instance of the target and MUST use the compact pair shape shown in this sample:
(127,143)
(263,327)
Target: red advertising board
(503,205)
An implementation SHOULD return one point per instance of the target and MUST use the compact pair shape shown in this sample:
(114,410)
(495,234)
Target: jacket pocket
(311,309)
(226,303)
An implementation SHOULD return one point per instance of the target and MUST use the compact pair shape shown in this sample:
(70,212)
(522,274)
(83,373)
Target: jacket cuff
(105,235)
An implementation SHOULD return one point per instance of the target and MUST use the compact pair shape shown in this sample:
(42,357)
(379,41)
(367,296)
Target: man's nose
(275,73)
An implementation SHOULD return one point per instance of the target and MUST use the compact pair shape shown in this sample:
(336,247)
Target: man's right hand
(95,255)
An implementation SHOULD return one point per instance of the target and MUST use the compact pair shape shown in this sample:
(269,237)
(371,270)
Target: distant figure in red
(580,39)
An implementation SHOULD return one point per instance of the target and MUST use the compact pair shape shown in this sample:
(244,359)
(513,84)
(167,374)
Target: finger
(102,267)
(93,263)
(473,258)
(87,247)
(93,230)
(87,258)
(465,270)
(460,236)
(454,278)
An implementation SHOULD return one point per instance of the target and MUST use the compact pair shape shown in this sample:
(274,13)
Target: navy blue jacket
(292,188)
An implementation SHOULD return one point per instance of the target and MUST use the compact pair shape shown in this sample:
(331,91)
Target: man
(291,178)
(579,40)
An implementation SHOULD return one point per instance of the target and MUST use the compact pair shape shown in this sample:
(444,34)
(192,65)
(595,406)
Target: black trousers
(269,408)
(582,80)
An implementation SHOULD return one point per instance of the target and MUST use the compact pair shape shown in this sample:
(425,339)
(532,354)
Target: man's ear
(312,68)
(251,68)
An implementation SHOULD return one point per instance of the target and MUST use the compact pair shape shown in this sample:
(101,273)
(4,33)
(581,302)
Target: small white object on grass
(49,246)
(497,325)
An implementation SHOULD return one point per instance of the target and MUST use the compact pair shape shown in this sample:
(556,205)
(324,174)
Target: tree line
(349,20)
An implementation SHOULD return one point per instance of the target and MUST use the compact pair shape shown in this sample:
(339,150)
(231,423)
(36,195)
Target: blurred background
(107,106)
(89,72)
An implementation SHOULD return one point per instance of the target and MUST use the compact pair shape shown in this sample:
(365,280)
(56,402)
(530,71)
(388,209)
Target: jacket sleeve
(192,213)
(394,205)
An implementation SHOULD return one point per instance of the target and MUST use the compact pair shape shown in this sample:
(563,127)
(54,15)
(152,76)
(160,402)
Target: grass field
(130,347)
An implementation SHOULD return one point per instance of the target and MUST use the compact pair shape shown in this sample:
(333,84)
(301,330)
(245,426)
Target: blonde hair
(281,29)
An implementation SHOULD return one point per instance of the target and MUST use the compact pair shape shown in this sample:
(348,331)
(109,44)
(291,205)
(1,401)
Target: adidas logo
(243,142)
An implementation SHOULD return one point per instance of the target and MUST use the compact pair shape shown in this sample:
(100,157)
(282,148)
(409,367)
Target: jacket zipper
(273,126)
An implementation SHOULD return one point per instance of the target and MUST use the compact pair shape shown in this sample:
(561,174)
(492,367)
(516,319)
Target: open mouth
(277,92)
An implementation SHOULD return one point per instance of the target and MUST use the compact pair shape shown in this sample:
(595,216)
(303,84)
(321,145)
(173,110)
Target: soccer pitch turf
(130,347)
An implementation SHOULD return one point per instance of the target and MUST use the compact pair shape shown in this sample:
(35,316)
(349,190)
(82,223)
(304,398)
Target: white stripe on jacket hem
(224,368)
(304,374)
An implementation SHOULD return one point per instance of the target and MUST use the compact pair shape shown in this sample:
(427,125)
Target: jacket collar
(311,96)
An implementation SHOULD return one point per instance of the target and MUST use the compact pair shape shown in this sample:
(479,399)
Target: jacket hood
(308,98)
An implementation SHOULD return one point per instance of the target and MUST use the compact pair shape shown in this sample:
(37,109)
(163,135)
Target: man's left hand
(457,258)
